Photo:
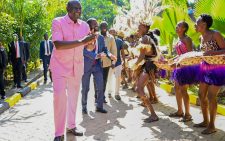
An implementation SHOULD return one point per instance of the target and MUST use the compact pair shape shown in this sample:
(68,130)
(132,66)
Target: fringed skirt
(187,75)
(149,66)
(212,74)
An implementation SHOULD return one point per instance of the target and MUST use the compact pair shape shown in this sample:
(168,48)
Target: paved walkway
(32,120)
(30,77)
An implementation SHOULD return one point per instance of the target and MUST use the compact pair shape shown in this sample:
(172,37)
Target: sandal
(154,101)
(151,119)
(186,118)
(208,131)
(176,114)
(200,125)
(142,104)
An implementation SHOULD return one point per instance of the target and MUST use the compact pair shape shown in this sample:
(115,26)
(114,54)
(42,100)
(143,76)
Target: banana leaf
(168,21)
(215,8)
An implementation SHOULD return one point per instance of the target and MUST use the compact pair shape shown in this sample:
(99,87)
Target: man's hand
(112,57)
(89,39)
(101,55)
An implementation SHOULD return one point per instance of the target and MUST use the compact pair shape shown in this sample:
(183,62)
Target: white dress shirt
(47,52)
(17,47)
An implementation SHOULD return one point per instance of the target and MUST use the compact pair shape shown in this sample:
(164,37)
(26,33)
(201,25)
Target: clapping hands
(101,55)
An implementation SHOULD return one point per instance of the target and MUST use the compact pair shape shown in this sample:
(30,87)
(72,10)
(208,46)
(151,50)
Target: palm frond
(215,8)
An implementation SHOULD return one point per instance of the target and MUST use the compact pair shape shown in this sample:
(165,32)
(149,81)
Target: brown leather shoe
(75,132)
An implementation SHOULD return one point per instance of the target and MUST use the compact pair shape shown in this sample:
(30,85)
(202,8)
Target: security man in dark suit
(16,55)
(3,64)
(26,58)
(46,48)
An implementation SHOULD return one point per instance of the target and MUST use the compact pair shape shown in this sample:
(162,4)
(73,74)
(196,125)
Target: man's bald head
(74,9)
(71,4)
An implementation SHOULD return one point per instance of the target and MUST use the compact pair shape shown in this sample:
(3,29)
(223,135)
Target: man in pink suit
(69,35)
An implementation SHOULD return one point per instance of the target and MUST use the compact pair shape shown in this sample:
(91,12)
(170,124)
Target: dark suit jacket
(89,56)
(12,51)
(27,51)
(3,59)
(42,48)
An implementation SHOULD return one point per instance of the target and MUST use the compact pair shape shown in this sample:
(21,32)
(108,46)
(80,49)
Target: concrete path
(32,120)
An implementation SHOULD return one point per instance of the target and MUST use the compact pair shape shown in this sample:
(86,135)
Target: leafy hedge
(7,27)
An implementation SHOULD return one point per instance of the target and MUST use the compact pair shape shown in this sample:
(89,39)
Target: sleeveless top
(209,45)
(181,48)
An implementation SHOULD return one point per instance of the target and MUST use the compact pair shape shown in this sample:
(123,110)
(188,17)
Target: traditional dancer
(151,84)
(129,56)
(212,76)
(146,55)
(133,54)
(184,45)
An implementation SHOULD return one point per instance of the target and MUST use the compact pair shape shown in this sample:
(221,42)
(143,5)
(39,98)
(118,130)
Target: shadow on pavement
(172,129)
(101,123)
(43,88)
(14,110)
(21,119)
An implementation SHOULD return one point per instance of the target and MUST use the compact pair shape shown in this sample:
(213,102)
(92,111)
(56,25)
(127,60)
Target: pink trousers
(66,92)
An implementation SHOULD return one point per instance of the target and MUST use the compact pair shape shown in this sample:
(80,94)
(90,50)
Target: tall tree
(99,9)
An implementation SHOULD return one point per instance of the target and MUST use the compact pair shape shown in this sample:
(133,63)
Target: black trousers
(46,62)
(17,71)
(105,76)
(24,72)
(2,85)
(105,79)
